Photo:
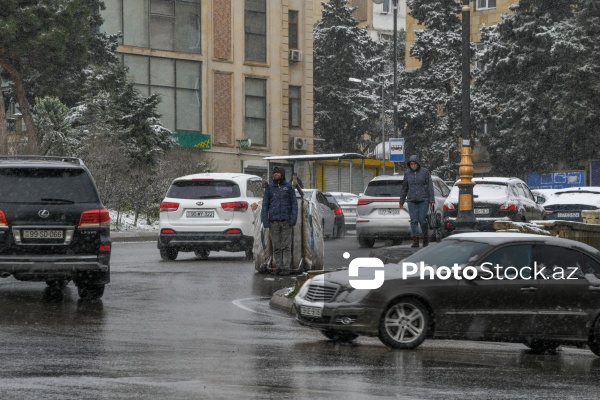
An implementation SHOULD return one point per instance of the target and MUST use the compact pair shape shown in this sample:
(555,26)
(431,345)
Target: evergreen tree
(430,97)
(342,109)
(534,90)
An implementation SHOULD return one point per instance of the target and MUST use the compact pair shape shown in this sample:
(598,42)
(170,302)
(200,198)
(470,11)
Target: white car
(567,204)
(327,215)
(209,211)
(348,203)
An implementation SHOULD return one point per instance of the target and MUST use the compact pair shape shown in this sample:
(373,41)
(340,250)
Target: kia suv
(53,226)
(209,212)
(378,213)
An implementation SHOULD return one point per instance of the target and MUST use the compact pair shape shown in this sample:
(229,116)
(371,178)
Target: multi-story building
(235,76)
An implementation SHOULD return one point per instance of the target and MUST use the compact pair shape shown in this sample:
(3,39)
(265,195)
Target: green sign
(193,140)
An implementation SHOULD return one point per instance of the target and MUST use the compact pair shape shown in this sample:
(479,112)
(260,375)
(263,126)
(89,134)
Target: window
(556,258)
(175,25)
(485,4)
(255,29)
(517,257)
(255,188)
(294,94)
(293,30)
(256,111)
(386,6)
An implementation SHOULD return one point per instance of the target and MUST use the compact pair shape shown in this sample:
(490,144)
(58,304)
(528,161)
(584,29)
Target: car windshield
(448,252)
(307,194)
(46,185)
(383,188)
(208,189)
(346,197)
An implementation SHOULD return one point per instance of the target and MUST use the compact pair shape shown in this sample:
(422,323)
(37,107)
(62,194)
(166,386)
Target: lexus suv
(53,226)
(209,211)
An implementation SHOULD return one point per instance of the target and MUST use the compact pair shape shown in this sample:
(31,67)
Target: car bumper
(191,241)
(378,230)
(41,268)
(483,224)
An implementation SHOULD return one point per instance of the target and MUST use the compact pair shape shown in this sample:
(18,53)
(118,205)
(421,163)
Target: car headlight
(351,295)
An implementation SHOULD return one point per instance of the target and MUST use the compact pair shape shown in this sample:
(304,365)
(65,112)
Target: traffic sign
(397,149)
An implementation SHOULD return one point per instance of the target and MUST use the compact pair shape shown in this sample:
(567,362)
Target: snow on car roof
(497,238)
(591,198)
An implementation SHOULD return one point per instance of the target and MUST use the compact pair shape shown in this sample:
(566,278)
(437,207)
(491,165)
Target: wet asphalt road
(193,329)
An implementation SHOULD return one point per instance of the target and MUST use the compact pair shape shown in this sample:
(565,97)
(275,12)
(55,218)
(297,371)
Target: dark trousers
(418,216)
(281,240)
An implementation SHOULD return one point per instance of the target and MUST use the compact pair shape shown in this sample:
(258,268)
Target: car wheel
(90,291)
(365,242)
(404,324)
(342,232)
(334,231)
(437,235)
(337,336)
(168,254)
(249,255)
(203,254)
(594,340)
(396,242)
(541,346)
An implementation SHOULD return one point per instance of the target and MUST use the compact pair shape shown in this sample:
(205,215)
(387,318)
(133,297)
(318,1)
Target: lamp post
(465,220)
(371,81)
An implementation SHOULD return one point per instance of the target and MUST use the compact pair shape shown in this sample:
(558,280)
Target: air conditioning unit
(299,143)
(295,55)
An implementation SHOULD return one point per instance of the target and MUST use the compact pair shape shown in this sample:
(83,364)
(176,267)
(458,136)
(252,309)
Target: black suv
(53,226)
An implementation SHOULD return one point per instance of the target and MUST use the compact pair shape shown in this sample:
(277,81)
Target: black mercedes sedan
(537,290)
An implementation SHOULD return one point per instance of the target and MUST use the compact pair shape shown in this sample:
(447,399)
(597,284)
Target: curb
(281,302)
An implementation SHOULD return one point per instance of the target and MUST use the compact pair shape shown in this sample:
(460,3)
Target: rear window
(46,185)
(382,188)
(485,190)
(213,189)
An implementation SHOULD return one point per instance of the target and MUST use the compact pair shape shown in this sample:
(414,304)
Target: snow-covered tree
(343,110)
(429,98)
(538,89)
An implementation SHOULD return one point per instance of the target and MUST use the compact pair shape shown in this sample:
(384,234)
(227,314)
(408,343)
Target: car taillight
(233,231)
(104,248)
(448,207)
(235,206)
(364,202)
(549,212)
(95,217)
(168,206)
(338,211)
(3,221)
(166,231)
(508,207)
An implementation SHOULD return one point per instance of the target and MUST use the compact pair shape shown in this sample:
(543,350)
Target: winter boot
(415,241)
(425,239)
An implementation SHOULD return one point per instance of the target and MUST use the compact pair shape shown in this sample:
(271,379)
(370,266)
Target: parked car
(330,228)
(495,199)
(513,302)
(378,215)
(209,211)
(567,204)
(543,194)
(53,226)
(348,202)
(340,220)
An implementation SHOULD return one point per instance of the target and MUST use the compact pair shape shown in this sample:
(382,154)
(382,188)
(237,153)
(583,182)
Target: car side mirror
(540,200)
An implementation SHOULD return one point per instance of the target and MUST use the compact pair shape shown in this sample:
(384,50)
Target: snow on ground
(126,219)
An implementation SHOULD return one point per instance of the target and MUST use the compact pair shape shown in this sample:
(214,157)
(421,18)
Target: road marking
(239,304)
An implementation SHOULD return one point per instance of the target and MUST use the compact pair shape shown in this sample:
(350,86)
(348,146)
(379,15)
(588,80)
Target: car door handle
(594,289)
(528,289)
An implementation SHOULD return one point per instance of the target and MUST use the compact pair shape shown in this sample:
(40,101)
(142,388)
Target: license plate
(311,311)
(349,210)
(481,211)
(199,214)
(568,215)
(42,234)
(389,211)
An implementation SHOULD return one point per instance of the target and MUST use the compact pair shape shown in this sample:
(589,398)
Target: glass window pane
(187,27)
(188,110)
(255,87)
(138,68)
(163,7)
(256,131)
(162,72)
(188,74)
(255,107)
(135,32)
(143,89)
(112,16)
(256,5)
(166,107)
(161,33)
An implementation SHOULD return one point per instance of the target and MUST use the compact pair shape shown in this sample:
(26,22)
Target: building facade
(235,76)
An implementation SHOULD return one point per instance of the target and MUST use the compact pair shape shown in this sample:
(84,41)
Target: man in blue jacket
(417,190)
(279,213)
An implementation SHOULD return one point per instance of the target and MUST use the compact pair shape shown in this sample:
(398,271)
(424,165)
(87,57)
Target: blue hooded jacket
(417,185)
(279,202)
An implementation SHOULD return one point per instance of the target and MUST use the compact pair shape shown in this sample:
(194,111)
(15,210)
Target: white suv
(209,211)
(378,214)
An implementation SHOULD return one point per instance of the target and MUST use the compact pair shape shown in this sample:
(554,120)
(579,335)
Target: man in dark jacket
(417,190)
(279,213)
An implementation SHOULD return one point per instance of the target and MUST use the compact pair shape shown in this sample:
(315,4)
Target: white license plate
(389,211)
(481,211)
(200,214)
(568,215)
(42,234)
(349,210)
(311,311)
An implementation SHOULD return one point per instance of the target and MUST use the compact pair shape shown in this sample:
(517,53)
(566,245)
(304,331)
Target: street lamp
(371,81)
(465,220)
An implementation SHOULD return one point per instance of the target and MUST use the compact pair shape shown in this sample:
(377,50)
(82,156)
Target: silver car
(378,215)
(327,215)
(348,202)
